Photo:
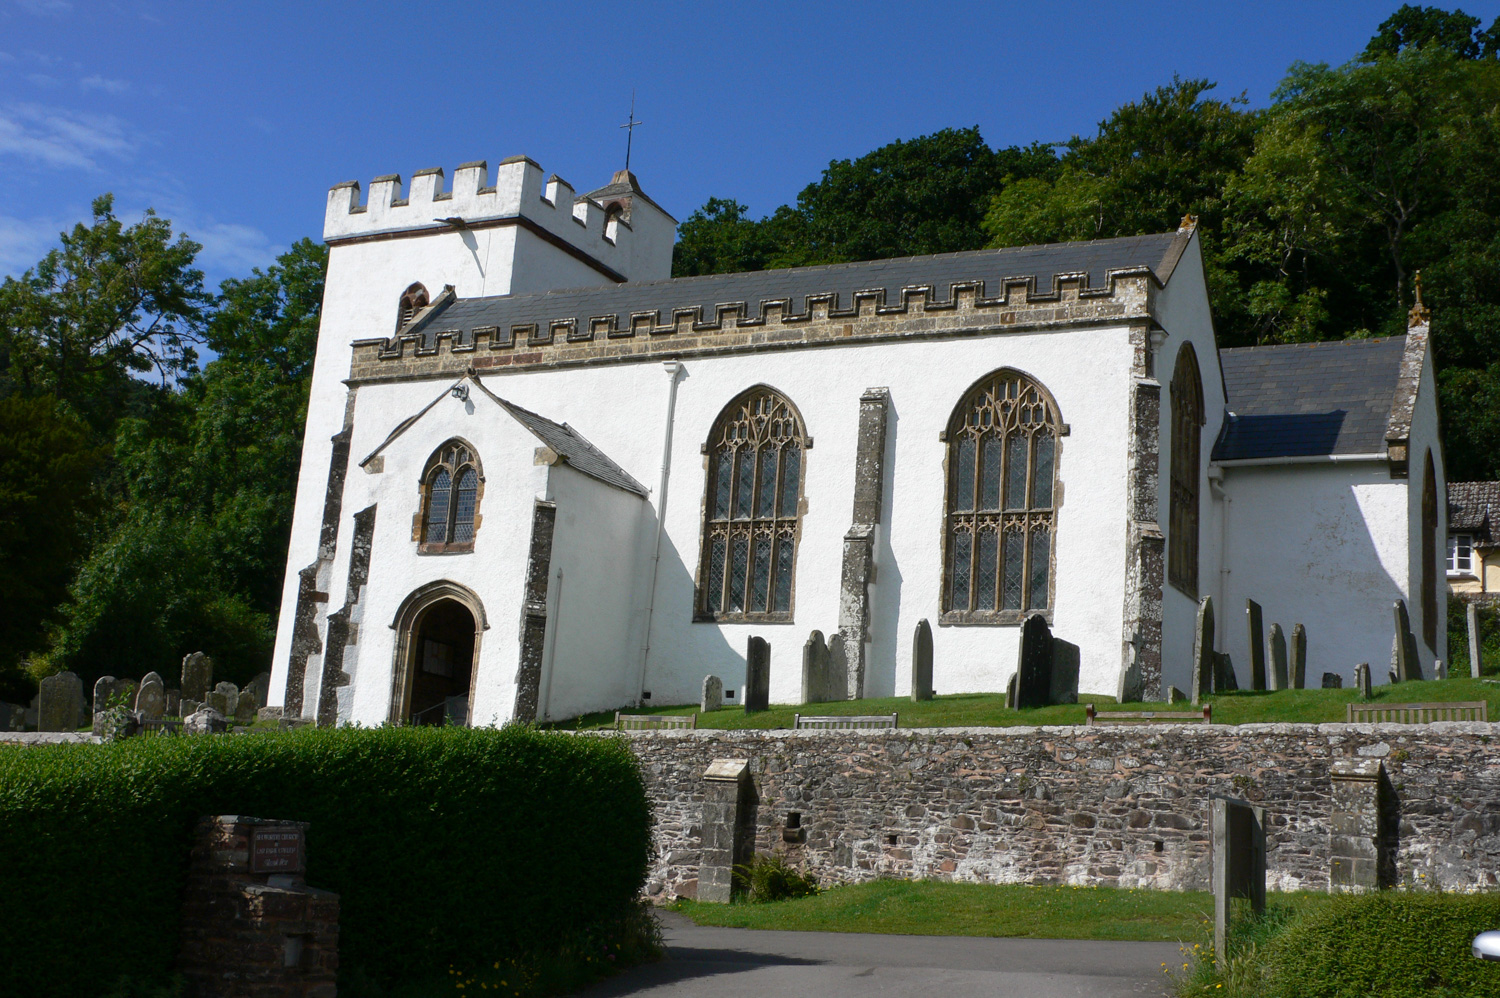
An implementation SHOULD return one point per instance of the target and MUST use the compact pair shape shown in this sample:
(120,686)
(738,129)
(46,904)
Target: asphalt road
(750,963)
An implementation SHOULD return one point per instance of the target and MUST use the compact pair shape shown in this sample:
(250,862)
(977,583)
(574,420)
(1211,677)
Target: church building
(541,477)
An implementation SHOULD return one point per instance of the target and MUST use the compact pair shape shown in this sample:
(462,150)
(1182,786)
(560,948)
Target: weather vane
(630,129)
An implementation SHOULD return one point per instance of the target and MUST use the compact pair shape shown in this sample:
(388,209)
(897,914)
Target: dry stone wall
(1115,806)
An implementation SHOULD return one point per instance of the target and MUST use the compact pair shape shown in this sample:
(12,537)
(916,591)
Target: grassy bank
(989,710)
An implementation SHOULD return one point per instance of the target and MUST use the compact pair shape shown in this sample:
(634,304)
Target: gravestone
(757,675)
(1333,681)
(838,668)
(1066,659)
(186,708)
(1439,669)
(1407,665)
(60,706)
(713,695)
(1471,613)
(151,699)
(1225,681)
(1277,644)
(224,698)
(174,703)
(245,708)
(197,676)
(1034,667)
(1362,680)
(104,688)
(258,689)
(1299,657)
(204,721)
(921,662)
(1257,635)
(816,687)
(1204,659)
(1174,695)
(1239,862)
(730,803)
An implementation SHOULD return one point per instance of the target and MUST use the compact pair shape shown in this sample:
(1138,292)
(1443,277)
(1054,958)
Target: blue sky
(233,119)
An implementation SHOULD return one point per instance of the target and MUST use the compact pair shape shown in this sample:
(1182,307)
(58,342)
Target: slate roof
(1474,508)
(571,446)
(1309,399)
(1044,262)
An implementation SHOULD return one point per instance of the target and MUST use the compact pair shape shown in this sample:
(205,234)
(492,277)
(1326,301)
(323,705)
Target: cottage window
(1187,425)
(451,487)
(1460,554)
(1002,501)
(752,509)
(413,300)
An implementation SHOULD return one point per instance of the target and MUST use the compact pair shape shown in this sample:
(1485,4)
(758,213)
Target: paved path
(751,963)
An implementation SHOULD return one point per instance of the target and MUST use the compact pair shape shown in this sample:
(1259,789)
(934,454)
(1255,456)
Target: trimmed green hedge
(447,846)
(1388,944)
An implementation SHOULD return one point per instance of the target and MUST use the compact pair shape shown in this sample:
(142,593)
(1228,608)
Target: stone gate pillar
(729,814)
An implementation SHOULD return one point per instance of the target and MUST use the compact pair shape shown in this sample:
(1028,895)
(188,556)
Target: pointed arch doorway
(438,629)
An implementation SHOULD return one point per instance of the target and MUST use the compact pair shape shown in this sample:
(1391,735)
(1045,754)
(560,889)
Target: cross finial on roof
(1419,314)
(630,126)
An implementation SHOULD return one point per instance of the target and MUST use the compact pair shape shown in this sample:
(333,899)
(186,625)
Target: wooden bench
(836,723)
(1205,716)
(654,722)
(1418,713)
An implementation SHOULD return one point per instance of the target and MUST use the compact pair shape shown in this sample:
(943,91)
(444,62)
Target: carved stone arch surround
(408,616)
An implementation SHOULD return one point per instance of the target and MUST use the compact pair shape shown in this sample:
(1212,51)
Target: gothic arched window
(1002,501)
(1187,428)
(413,300)
(752,509)
(452,484)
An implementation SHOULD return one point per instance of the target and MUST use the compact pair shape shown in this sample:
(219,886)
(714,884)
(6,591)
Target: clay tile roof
(1309,399)
(1474,508)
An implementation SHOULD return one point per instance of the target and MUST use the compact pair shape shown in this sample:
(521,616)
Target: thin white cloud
(103,83)
(42,79)
(24,241)
(56,137)
(229,249)
(45,8)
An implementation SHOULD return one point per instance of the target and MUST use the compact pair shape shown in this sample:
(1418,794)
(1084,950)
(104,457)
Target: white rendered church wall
(592,656)
(1324,545)
(1425,439)
(1182,310)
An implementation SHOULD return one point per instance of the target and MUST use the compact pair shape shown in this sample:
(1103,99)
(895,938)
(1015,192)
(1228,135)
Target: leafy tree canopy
(1415,27)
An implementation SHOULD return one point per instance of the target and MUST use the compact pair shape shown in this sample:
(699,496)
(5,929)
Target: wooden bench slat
(1091,716)
(843,722)
(655,722)
(1418,713)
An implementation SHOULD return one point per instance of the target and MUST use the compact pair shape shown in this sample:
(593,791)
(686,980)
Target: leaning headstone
(61,703)
(921,662)
(1225,681)
(1299,657)
(224,698)
(1277,643)
(1066,659)
(1408,666)
(205,721)
(757,674)
(1362,680)
(174,703)
(815,685)
(1333,681)
(713,695)
(258,689)
(1034,668)
(151,699)
(197,676)
(1257,634)
(1203,650)
(1471,612)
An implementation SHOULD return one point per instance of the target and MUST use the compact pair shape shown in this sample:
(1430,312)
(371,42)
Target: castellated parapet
(617,226)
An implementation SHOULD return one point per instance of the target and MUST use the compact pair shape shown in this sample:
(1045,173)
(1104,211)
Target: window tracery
(752,509)
(451,487)
(1187,431)
(1002,501)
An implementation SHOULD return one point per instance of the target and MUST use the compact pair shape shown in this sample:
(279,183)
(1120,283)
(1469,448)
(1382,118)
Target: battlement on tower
(630,234)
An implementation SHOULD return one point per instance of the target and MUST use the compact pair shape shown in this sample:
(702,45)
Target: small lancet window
(413,300)
(752,509)
(452,484)
(1187,429)
(1002,508)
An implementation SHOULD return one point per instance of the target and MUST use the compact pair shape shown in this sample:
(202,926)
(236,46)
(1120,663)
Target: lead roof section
(1473,508)
(1044,264)
(1308,399)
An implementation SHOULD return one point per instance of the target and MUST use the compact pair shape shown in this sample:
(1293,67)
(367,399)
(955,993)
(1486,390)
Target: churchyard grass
(988,710)
(938,908)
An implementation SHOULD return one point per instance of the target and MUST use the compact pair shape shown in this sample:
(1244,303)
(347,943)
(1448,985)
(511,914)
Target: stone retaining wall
(1116,806)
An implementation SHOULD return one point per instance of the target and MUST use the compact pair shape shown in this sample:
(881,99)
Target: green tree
(1414,27)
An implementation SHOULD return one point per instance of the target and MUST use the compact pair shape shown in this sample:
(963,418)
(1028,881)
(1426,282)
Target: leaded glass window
(451,488)
(1001,515)
(1187,428)
(752,506)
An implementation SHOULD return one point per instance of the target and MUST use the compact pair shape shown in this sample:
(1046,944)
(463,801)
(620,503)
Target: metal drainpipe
(674,370)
